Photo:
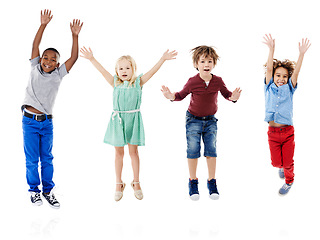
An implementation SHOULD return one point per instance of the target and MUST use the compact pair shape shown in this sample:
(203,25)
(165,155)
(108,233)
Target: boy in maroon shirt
(200,119)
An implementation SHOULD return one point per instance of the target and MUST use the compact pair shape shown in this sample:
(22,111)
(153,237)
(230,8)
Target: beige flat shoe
(137,193)
(119,194)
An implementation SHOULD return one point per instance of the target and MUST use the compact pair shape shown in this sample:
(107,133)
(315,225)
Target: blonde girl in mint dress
(125,125)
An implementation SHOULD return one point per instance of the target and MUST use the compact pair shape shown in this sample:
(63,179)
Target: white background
(249,206)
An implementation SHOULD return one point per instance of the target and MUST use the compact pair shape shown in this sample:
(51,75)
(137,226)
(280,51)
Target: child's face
(124,70)
(49,61)
(281,76)
(205,65)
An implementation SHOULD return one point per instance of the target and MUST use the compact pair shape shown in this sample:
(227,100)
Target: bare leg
(135,161)
(119,153)
(211,162)
(193,163)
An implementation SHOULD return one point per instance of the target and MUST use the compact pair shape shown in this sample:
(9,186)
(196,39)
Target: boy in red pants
(280,84)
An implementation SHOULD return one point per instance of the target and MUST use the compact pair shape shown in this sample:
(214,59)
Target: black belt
(210,117)
(39,118)
(204,118)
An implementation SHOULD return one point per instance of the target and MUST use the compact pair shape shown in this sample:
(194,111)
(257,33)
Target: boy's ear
(58,64)
(40,60)
(196,66)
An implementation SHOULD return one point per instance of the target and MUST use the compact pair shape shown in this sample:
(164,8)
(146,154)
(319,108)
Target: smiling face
(205,66)
(124,70)
(281,76)
(49,61)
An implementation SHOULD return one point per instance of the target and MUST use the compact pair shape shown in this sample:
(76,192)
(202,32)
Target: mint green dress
(125,125)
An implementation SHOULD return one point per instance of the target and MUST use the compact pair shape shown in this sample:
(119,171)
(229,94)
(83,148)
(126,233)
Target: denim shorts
(197,127)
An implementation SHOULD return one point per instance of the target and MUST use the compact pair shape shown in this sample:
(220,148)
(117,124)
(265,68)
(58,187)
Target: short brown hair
(207,51)
(287,64)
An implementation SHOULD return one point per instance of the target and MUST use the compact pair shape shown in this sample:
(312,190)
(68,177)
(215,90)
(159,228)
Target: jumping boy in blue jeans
(200,119)
(45,78)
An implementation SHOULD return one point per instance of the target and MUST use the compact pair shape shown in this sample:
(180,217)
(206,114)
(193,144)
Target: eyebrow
(210,59)
(45,55)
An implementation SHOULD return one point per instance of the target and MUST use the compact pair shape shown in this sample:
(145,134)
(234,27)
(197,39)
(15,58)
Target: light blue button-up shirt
(279,104)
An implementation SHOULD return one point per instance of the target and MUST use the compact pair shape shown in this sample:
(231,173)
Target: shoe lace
(212,185)
(194,185)
(52,198)
(286,186)
(36,196)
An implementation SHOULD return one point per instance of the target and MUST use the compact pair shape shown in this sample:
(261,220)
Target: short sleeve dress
(125,125)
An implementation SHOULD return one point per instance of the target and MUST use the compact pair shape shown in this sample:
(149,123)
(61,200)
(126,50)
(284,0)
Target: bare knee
(133,151)
(119,152)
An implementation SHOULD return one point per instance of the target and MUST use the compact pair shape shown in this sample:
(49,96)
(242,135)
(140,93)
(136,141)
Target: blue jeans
(38,138)
(196,128)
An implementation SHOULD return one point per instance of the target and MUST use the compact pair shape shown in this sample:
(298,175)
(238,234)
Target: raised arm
(45,19)
(303,47)
(88,54)
(271,44)
(75,27)
(166,56)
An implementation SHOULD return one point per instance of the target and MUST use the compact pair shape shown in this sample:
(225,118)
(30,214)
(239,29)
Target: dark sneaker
(281,173)
(213,191)
(36,198)
(285,189)
(51,200)
(193,189)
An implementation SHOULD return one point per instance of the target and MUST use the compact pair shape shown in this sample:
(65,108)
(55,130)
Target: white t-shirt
(43,87)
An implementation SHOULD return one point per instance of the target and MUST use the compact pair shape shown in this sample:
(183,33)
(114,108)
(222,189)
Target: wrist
(162,59)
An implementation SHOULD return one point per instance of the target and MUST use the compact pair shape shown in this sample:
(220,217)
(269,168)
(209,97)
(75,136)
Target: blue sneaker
(213,191)
(281,173)
(285,189)
(193,189)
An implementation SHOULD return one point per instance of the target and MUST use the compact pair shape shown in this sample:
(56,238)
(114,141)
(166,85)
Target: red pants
(281,143)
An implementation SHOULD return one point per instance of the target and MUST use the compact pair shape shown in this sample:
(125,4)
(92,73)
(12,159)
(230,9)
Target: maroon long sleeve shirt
(204,99)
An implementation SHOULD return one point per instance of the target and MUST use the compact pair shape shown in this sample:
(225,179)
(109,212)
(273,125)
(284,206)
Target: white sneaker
(35,199)
(51,200)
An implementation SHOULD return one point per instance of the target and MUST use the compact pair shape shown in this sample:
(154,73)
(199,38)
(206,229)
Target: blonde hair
(206,51)
(287,64)
(133,66)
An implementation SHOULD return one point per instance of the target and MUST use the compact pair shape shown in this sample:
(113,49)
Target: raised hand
(166,56)
(76,26)
(269,41)
(169,55)
(46,16)
(235,94)
(167,93)
(304,45)
(88,54)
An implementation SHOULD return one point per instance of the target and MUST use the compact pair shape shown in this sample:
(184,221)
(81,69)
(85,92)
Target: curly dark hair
(287,64)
